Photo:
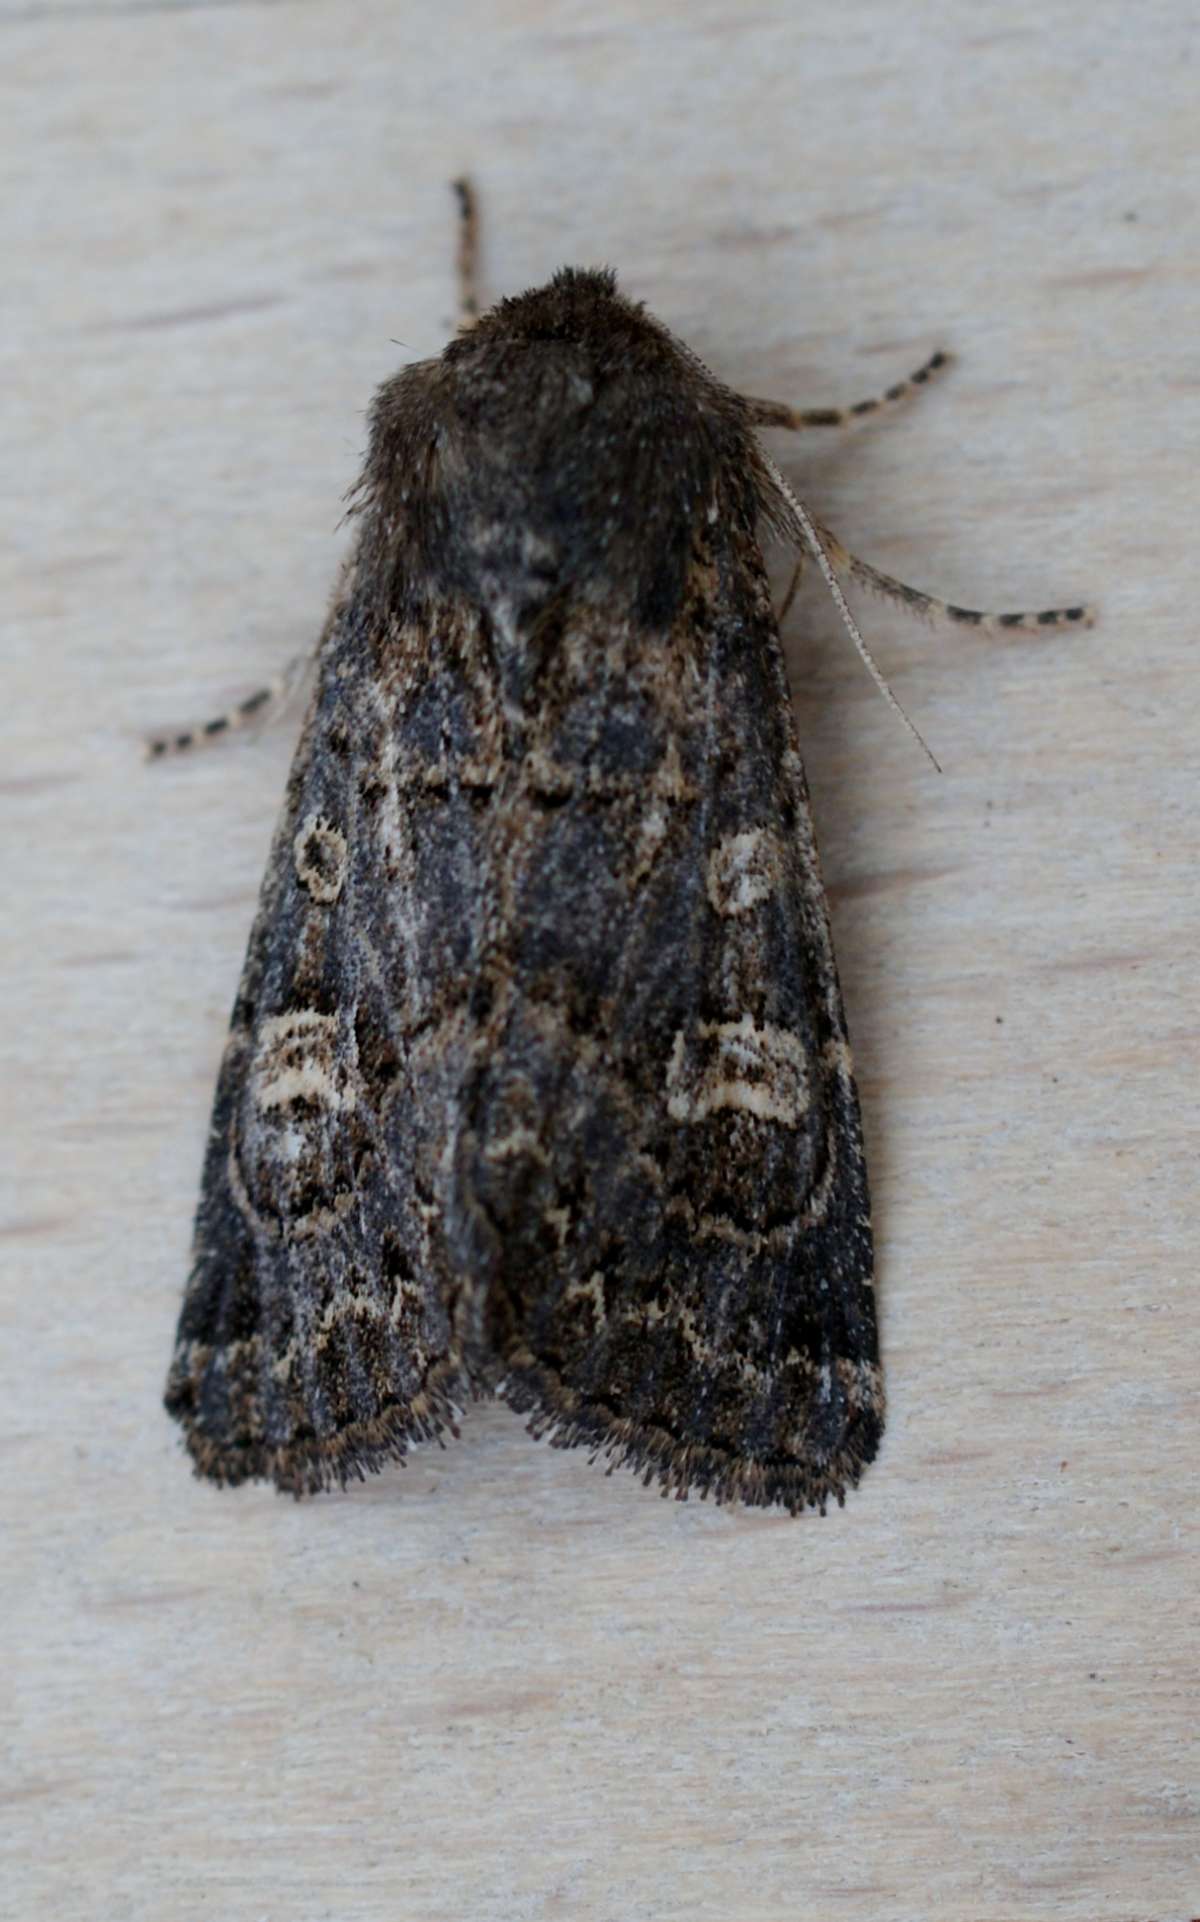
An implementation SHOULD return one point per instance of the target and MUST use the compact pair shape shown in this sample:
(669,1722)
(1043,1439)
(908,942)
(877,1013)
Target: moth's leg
(789,597)
(836,564)
(269,699)
(775,413)
(809,533)
(928,607)
(770,413)
(468,255)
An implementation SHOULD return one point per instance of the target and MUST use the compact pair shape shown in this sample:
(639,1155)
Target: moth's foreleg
(928,607)
(263,704)
(776,413)
(827,551)
(267,701)
(837,564)
(468,255)
(847,566)
(786,603)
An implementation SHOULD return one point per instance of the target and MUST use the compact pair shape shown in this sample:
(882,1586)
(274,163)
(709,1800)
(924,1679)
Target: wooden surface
(497,1684)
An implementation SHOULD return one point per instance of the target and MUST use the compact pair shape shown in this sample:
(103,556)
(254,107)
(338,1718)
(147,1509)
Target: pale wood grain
(497,1684)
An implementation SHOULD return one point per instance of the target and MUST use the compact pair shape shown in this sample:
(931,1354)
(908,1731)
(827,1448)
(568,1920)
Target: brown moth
(538,1080)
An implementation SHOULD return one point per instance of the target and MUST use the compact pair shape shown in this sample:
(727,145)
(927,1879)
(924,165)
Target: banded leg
(265,701)
(836,564)
(468,255)
(775,413)
(927,607)
(809,533)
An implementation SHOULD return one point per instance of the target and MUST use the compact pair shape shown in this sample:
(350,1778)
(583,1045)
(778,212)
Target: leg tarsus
(786,603)
(828,553)
(774,413)
(468,254)
(271,697)
(928,607)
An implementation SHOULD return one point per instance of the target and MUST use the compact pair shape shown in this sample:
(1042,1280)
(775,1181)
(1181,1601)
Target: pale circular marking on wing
(319,851)
(743,871)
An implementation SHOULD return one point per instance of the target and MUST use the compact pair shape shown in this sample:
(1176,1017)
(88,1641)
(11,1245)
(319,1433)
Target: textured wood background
(497,1685)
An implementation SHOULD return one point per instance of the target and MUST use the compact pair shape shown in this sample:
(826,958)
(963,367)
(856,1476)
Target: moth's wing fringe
(566,1419)
(314,1464)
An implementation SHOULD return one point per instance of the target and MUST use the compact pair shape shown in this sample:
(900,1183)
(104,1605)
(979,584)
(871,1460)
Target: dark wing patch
(316,1334)
(661,1211)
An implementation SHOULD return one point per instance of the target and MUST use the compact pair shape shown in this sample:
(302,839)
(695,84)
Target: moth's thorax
(566,442)
(580,307)
(573,356)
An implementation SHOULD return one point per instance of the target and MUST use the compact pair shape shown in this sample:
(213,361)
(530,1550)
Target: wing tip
(566,1419)
(308,1463)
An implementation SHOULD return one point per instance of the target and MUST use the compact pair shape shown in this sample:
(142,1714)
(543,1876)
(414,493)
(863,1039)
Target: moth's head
(551,374)
(580,308)
(567,425)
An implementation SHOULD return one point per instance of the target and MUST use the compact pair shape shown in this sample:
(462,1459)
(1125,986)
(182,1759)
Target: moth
(538,1081)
